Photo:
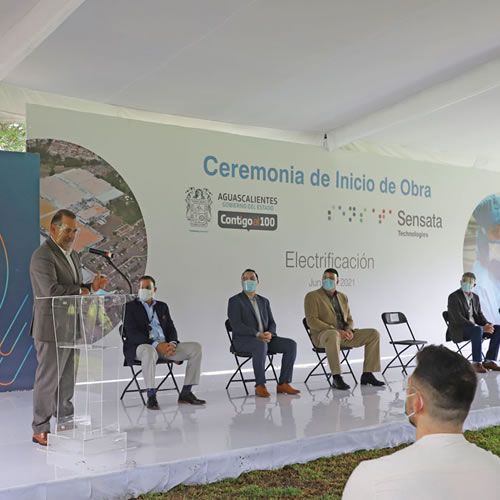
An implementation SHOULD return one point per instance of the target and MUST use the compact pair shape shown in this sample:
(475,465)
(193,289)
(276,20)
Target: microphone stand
(113,265)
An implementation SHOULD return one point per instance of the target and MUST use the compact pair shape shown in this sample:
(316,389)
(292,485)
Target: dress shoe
(338,383)
(368,378)
(190,398)
(261,391)
(478,367)
(152,403)
(287,389)
(41,438)
(491,365)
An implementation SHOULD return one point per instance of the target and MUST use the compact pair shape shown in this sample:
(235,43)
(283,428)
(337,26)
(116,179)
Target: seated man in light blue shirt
(149,334)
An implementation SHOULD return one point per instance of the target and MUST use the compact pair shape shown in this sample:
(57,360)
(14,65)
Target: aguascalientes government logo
(198,208)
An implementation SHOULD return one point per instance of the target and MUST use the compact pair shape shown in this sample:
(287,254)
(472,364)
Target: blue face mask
(467,287)
(328,284)
(406,400)
(249,286)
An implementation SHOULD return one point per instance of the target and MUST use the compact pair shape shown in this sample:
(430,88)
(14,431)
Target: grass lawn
(322,479)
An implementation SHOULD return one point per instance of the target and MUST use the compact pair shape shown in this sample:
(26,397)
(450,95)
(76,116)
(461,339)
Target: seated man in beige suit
(329,319)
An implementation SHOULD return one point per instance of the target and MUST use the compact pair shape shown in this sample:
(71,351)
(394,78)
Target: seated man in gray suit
(467,322)
(254,331)
(55,270)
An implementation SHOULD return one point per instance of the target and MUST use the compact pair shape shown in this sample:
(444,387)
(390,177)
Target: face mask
(249,286)
(146,294)
(104,292)
(467,287)
(408,416)
(494,250)
(328,284)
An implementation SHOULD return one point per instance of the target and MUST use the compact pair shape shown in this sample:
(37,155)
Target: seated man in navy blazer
(467,322)
(149,333)
(254,331)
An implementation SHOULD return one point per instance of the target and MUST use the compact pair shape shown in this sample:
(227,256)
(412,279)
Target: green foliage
(12,137)
(322,479)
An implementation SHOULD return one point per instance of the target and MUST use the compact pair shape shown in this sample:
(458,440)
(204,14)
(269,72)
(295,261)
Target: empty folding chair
(400,345)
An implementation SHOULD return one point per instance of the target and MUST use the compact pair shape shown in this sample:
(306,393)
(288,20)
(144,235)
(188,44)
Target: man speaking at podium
(55,270)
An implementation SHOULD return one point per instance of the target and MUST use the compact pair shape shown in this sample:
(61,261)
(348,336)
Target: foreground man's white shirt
(437,466)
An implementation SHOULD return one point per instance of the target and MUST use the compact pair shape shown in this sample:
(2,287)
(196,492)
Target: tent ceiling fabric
(292,65)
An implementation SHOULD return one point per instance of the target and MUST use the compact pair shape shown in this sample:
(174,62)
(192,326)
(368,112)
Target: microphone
(102,253)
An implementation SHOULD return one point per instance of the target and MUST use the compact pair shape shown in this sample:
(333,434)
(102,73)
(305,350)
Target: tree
(13,136)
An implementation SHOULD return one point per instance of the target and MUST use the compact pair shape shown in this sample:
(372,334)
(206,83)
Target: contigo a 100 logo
(198,208)
(248,221)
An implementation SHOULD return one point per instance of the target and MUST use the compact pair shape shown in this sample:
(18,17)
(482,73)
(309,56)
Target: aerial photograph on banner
(74,178)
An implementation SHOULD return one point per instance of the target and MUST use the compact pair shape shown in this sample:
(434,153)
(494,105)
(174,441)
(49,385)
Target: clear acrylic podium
(89,355)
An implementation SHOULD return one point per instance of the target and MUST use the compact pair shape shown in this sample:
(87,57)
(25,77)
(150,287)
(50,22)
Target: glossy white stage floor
(230,435)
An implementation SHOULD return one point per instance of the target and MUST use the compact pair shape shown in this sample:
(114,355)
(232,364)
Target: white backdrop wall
(384,264)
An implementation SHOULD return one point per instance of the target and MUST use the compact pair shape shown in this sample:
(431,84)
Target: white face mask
(494,250)
(146,294)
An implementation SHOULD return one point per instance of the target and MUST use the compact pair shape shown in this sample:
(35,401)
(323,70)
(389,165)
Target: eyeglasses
(69,230)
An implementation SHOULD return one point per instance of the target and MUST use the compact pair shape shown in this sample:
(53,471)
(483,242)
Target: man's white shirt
(437,466)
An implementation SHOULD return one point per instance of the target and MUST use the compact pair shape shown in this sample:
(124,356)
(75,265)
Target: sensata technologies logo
(358,214)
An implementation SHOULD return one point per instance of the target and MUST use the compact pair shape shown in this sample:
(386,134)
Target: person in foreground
(329,319)
(441,464)
(467,322)
(55,270)
(149,333)
(254,330)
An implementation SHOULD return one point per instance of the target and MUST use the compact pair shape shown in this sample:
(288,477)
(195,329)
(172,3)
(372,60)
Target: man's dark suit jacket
(136,327)
(458,315)
(242,317)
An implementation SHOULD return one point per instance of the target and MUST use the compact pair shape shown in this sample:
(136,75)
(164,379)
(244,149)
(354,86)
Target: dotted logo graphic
(357,214)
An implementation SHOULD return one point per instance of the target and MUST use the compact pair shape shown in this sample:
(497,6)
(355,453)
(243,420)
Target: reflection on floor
(233,433)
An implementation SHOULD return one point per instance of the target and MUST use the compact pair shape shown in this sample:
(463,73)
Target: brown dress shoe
(261,391)
(287,389)
(41,438)
(478,367)
(491,365)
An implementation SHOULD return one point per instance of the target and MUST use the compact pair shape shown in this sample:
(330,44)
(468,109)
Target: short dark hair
(147,277)
(57,218)
(249,271)
(469,275)
(332,271)
(448,380)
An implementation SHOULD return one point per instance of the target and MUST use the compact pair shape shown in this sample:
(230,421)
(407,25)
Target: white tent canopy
(401,76)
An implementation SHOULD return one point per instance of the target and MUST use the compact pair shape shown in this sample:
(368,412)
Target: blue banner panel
(19,237)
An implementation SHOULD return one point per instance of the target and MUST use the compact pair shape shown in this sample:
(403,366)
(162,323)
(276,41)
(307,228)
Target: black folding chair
(135,375)
(464,343)
(247,356)
(398,318)
(321,355)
